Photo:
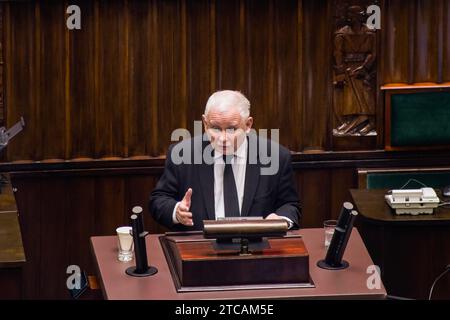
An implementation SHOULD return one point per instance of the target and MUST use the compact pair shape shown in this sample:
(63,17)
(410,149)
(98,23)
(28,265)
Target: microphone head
(137,209)
(348,206)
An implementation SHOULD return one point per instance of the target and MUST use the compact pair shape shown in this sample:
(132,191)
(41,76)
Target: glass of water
(329,226)
(125,244)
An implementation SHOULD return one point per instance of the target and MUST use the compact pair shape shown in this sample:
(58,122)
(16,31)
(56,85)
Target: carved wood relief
(354,70)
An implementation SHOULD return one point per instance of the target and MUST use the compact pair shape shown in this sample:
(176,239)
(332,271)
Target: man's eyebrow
(233,124)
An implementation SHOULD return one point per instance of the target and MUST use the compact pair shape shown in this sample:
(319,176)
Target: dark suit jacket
(263,194)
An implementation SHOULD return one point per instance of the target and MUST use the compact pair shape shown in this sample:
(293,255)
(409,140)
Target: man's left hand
(274,216)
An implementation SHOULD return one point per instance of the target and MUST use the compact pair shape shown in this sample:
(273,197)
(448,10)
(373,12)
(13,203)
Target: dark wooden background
(100,103)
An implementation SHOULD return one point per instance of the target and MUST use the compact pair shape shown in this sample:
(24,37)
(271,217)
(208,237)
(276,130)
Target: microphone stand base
(131,271)
(322,264)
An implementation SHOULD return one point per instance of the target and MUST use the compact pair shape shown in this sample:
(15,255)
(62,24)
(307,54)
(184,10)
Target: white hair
(227,99)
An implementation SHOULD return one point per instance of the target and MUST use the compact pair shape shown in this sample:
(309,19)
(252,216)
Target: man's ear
(205,124)
(248,124)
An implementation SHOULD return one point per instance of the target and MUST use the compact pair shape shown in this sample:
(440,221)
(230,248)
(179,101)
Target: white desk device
(413,201)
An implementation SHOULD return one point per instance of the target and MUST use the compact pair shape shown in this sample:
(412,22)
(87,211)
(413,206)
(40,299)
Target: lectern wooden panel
(196,263)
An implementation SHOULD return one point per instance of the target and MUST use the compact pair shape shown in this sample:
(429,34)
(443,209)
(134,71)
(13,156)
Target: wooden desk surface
(11,247)
(411,250)
(372,206)
(344,284)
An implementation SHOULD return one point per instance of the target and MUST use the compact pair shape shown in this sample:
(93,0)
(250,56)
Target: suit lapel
(206,176)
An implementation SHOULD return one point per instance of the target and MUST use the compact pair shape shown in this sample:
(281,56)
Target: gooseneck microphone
(141,269)
(333,259)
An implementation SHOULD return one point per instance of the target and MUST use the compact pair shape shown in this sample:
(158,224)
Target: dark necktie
(230,196)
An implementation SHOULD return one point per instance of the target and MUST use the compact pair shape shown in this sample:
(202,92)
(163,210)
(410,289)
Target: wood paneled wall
(137,70)
(416,41)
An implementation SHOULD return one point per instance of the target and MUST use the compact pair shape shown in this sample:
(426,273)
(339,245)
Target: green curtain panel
(420,119)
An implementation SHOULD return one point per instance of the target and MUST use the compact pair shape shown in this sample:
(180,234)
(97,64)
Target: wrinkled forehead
(223,104)
(225,108)
(231,116)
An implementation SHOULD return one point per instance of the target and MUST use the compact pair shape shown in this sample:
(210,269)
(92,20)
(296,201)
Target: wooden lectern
(201,264)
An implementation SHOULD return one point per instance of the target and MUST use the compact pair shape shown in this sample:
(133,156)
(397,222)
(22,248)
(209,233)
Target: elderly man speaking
(232,184)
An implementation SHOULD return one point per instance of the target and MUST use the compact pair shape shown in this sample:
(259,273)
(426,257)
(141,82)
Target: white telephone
(413,201)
